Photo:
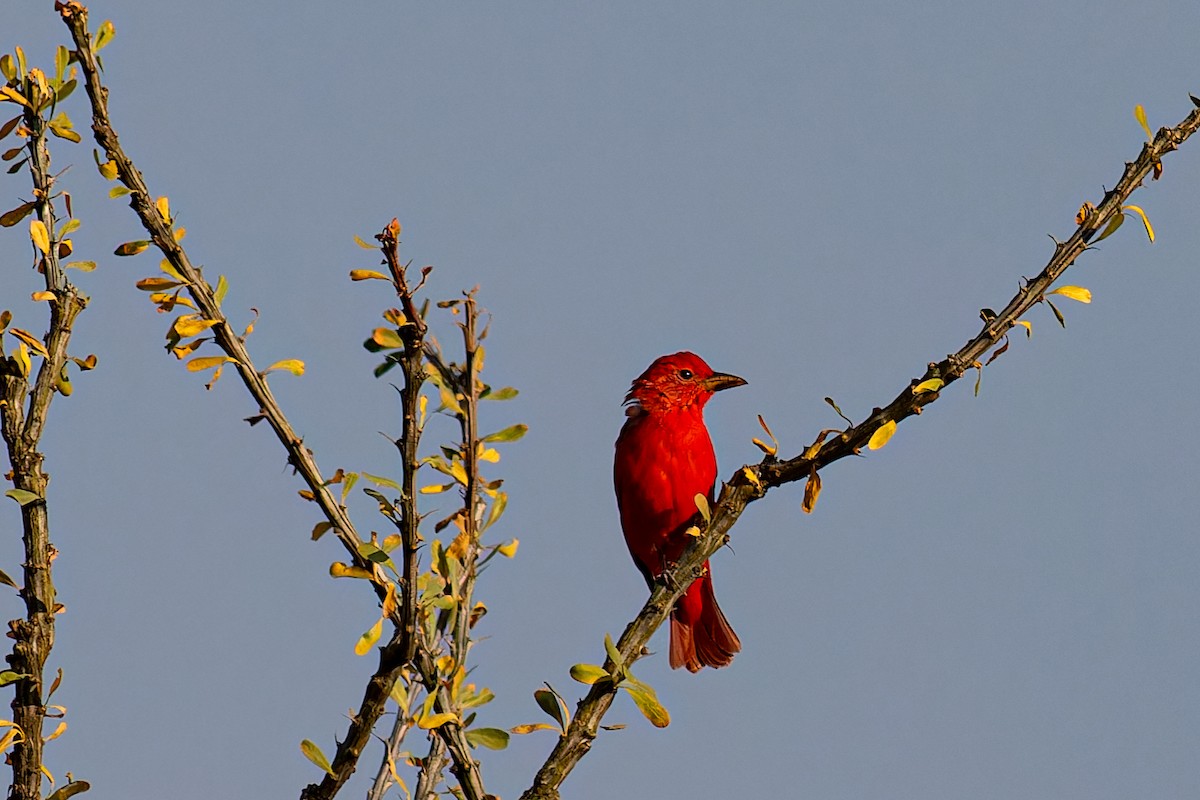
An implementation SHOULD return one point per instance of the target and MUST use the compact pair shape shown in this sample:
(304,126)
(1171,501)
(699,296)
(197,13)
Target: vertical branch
(412,334)
(24,411)
(471,505)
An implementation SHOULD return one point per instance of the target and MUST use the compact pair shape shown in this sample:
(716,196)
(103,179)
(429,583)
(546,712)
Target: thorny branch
(753,481)
(404,646)
(24,411)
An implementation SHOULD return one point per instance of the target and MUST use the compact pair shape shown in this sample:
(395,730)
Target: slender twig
(24,413)
(751,482)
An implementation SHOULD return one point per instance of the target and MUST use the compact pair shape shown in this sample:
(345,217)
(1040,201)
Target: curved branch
(752,482)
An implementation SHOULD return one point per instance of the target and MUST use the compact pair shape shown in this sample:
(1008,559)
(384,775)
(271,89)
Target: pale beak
(721,380)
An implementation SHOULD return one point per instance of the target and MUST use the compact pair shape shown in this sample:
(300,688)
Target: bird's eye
(686,374)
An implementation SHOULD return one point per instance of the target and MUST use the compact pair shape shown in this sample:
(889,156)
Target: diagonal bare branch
(753,481)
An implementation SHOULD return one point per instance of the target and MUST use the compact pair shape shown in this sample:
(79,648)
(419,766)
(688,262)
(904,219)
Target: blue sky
(818,197)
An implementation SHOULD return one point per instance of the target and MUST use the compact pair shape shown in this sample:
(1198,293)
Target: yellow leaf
(702,504)
(314,754)
(179,233)
(1028,327)
(530,727)
(82,266)
(164,207)
(752,477)
(206,362)
(436,489)
(43,296)
(1145,219)
(108,171)
(189,348)
(37,232)
(358,241)
(458,548)
(367,275)
(24,365)
(491,455)
(773,447)
(761,445)
(812,490)
(693,532)
(28,338)
(191,324)
(931,385)
(62,727)
(292,365)
(880,437)
(368,639)
(156,284)
(433,721)
(131,248)
(509,549)
(386,337)
(13,95)
(1139,114)
(340,570)
(1073,292)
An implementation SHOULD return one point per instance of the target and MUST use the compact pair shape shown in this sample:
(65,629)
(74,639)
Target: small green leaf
(507,393)
(104,35)
(491,738)
(222,289)
(613,653)
(314,754)
(1111,227)
(8,676)
(379,480)
(547,701)
(510,434)
(931,385)
(22,496)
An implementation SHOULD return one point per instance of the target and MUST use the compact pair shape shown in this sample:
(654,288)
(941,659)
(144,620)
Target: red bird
(664,459)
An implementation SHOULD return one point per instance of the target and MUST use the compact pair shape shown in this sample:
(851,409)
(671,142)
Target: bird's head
(679,381)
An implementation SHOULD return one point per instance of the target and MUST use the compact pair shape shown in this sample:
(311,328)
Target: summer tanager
(664,458)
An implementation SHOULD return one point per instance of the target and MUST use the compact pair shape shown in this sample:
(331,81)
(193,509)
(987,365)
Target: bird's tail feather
(700,634)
